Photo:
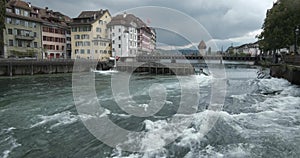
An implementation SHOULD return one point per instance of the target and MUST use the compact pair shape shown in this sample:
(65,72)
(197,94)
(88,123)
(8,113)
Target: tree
(279,25)
(2,26)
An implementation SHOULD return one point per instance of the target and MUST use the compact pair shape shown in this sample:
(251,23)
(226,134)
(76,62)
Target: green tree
(2,26)
(279,25)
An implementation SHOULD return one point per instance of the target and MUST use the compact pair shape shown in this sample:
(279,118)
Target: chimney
(94,16)
(125,14)
(46,8)
(29,4)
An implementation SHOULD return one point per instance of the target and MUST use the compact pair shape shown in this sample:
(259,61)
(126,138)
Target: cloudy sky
(226,21)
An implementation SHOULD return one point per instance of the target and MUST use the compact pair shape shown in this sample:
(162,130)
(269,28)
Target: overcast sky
(227,21)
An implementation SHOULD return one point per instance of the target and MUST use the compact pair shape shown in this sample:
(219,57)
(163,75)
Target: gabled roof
(128,20)
(19,4)
(43,15)
(49,17)
(202,45)
(89,17)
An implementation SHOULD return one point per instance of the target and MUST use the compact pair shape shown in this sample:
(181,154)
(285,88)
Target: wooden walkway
(195,57)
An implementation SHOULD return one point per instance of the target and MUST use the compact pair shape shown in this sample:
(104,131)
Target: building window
(85,36)
(10,31)
(26,23)
(26,13)
(8,20)
(119,37)
(34,34)
(11,42)
(19,43)
(17,22)
(8,10)
(96,51)
(28,44)
(45,29)
(76,36)
(35,44)
(80,43)
(63,48)
(34,24)
(57,47)
(88,51)
(98,29)
(74,29)
(86,43)
(76,51)
(81,51)
(17,11)
(113,41)
(119,45)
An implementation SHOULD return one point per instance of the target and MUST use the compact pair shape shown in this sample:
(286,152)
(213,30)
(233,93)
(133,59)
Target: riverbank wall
(32,67)
(289,72)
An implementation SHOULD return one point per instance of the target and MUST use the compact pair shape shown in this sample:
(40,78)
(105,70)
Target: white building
(251,49)
(130,36)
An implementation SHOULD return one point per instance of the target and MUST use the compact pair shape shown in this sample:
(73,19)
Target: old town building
(89,35)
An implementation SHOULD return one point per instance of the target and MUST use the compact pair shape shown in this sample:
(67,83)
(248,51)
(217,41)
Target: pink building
(55,33)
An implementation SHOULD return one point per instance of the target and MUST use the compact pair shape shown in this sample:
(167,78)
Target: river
(260,117)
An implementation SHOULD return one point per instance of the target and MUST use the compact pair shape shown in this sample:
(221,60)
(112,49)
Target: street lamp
(296,39)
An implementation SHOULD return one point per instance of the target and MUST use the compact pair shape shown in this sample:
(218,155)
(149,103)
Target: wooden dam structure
(171,65)
(168,65)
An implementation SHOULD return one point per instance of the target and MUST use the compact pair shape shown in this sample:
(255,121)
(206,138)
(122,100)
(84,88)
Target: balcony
(27,38)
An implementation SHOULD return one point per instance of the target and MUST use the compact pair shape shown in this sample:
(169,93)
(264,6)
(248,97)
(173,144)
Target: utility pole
(296,39)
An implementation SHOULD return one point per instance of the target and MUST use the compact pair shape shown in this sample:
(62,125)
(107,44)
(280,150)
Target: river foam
(59,119)
(9,141)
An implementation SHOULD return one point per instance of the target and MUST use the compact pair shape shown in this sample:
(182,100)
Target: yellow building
(90,35)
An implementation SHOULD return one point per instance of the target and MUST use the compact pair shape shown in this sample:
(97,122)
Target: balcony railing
(21,37)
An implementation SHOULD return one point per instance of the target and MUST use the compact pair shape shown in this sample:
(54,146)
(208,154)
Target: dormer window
(26,13)
(8,10)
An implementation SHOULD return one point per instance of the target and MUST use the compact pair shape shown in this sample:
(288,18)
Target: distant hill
(177,52)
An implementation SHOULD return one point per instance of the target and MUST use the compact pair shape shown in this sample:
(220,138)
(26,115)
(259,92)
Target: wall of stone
(289,72)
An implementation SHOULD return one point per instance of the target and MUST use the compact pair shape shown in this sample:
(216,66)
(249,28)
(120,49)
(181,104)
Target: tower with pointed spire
(202,48)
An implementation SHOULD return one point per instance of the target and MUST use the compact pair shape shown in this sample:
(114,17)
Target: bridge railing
(195,57)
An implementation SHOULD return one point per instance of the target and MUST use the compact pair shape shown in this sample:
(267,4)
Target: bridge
(195,57)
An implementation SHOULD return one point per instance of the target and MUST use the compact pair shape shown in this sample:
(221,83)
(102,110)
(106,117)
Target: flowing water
(260,117)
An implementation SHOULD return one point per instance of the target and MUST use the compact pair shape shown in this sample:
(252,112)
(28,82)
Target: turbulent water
(260,118)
